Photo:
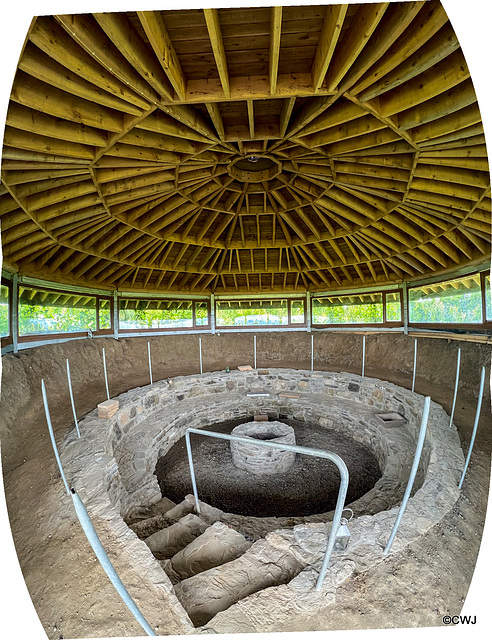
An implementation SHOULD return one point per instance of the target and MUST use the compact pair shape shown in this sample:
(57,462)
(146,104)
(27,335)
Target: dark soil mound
(309,487)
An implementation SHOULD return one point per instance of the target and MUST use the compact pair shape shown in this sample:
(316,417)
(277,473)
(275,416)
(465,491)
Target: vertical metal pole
(475,427)
(308,311)
(212,313)
(254,350)
(312,352)
(102,556)
(150,364)
(116,317)
(363,354)
(200,350)
(52,435)
(414,364)
(15,312)
(192,471)
(71,398)
(105,373)
(413,472)
(455,387)
(405,308)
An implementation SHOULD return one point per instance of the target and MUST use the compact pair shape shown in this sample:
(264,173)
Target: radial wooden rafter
(122,129)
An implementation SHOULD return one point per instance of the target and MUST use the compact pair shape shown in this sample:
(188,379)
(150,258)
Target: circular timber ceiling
(244,150)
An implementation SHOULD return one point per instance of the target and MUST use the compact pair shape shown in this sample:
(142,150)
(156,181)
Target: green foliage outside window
(4,311)
(104,314)
(297,313)
(452,302)
(154,314)
(356,309)
(393,307)
(43,312)
(252,313)
(201,314)
(488,299)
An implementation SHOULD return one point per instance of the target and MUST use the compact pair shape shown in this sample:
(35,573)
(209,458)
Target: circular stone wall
(258,459)
(112,467)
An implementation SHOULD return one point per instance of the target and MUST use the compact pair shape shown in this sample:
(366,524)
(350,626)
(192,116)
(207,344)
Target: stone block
(167,542)
(216,546)
(107,409)
(260,417)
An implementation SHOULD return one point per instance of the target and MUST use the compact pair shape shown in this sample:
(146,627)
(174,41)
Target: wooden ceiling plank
(86,33)
(427,24)
(482,245)
(216,117)
(362,27)
(446,103)
(155,29)
(360,273)
(438,47)
(273,58)
(330,33)
(455,237)
(285,114)
(42,144)
(445,246)
(227,219)
(215,35)
(251,119)
(53,40)
(396,21)
(126,38)
(333,243)
(428,85)
(40,66)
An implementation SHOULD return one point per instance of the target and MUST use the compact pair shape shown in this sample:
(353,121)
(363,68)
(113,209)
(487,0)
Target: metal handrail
(413,472)
(317,453)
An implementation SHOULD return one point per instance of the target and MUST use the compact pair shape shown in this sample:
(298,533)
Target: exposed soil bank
(70,591)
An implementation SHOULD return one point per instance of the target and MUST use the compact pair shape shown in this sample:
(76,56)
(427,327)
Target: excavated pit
(114,467)
(308,487)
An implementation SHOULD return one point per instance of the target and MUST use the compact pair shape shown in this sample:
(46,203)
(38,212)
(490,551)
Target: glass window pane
(245,313)
(349,309)
(201,314)
(104,314)
(297,315)
(42,312)
(393,307)
(488,298)
(155,314)
(4,311)
(453,301)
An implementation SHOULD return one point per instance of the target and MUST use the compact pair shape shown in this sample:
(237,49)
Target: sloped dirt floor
(74,598)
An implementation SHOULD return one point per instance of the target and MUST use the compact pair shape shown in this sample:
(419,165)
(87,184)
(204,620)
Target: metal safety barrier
(317,453)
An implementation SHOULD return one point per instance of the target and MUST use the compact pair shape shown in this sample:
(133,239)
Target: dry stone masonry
(258,459)
(112,467)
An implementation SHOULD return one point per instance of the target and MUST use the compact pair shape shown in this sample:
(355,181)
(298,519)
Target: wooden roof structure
(240,150)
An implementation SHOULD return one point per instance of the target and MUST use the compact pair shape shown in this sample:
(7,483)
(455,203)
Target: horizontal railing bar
(309,451)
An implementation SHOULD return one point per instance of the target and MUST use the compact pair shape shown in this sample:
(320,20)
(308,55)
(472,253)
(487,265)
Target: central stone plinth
(258,459)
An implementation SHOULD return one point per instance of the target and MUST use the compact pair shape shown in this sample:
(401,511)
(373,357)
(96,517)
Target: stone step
(137,514)
(167,542)
(216,546)
(182,509)
(209,592)
(147,527)
(158,516)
